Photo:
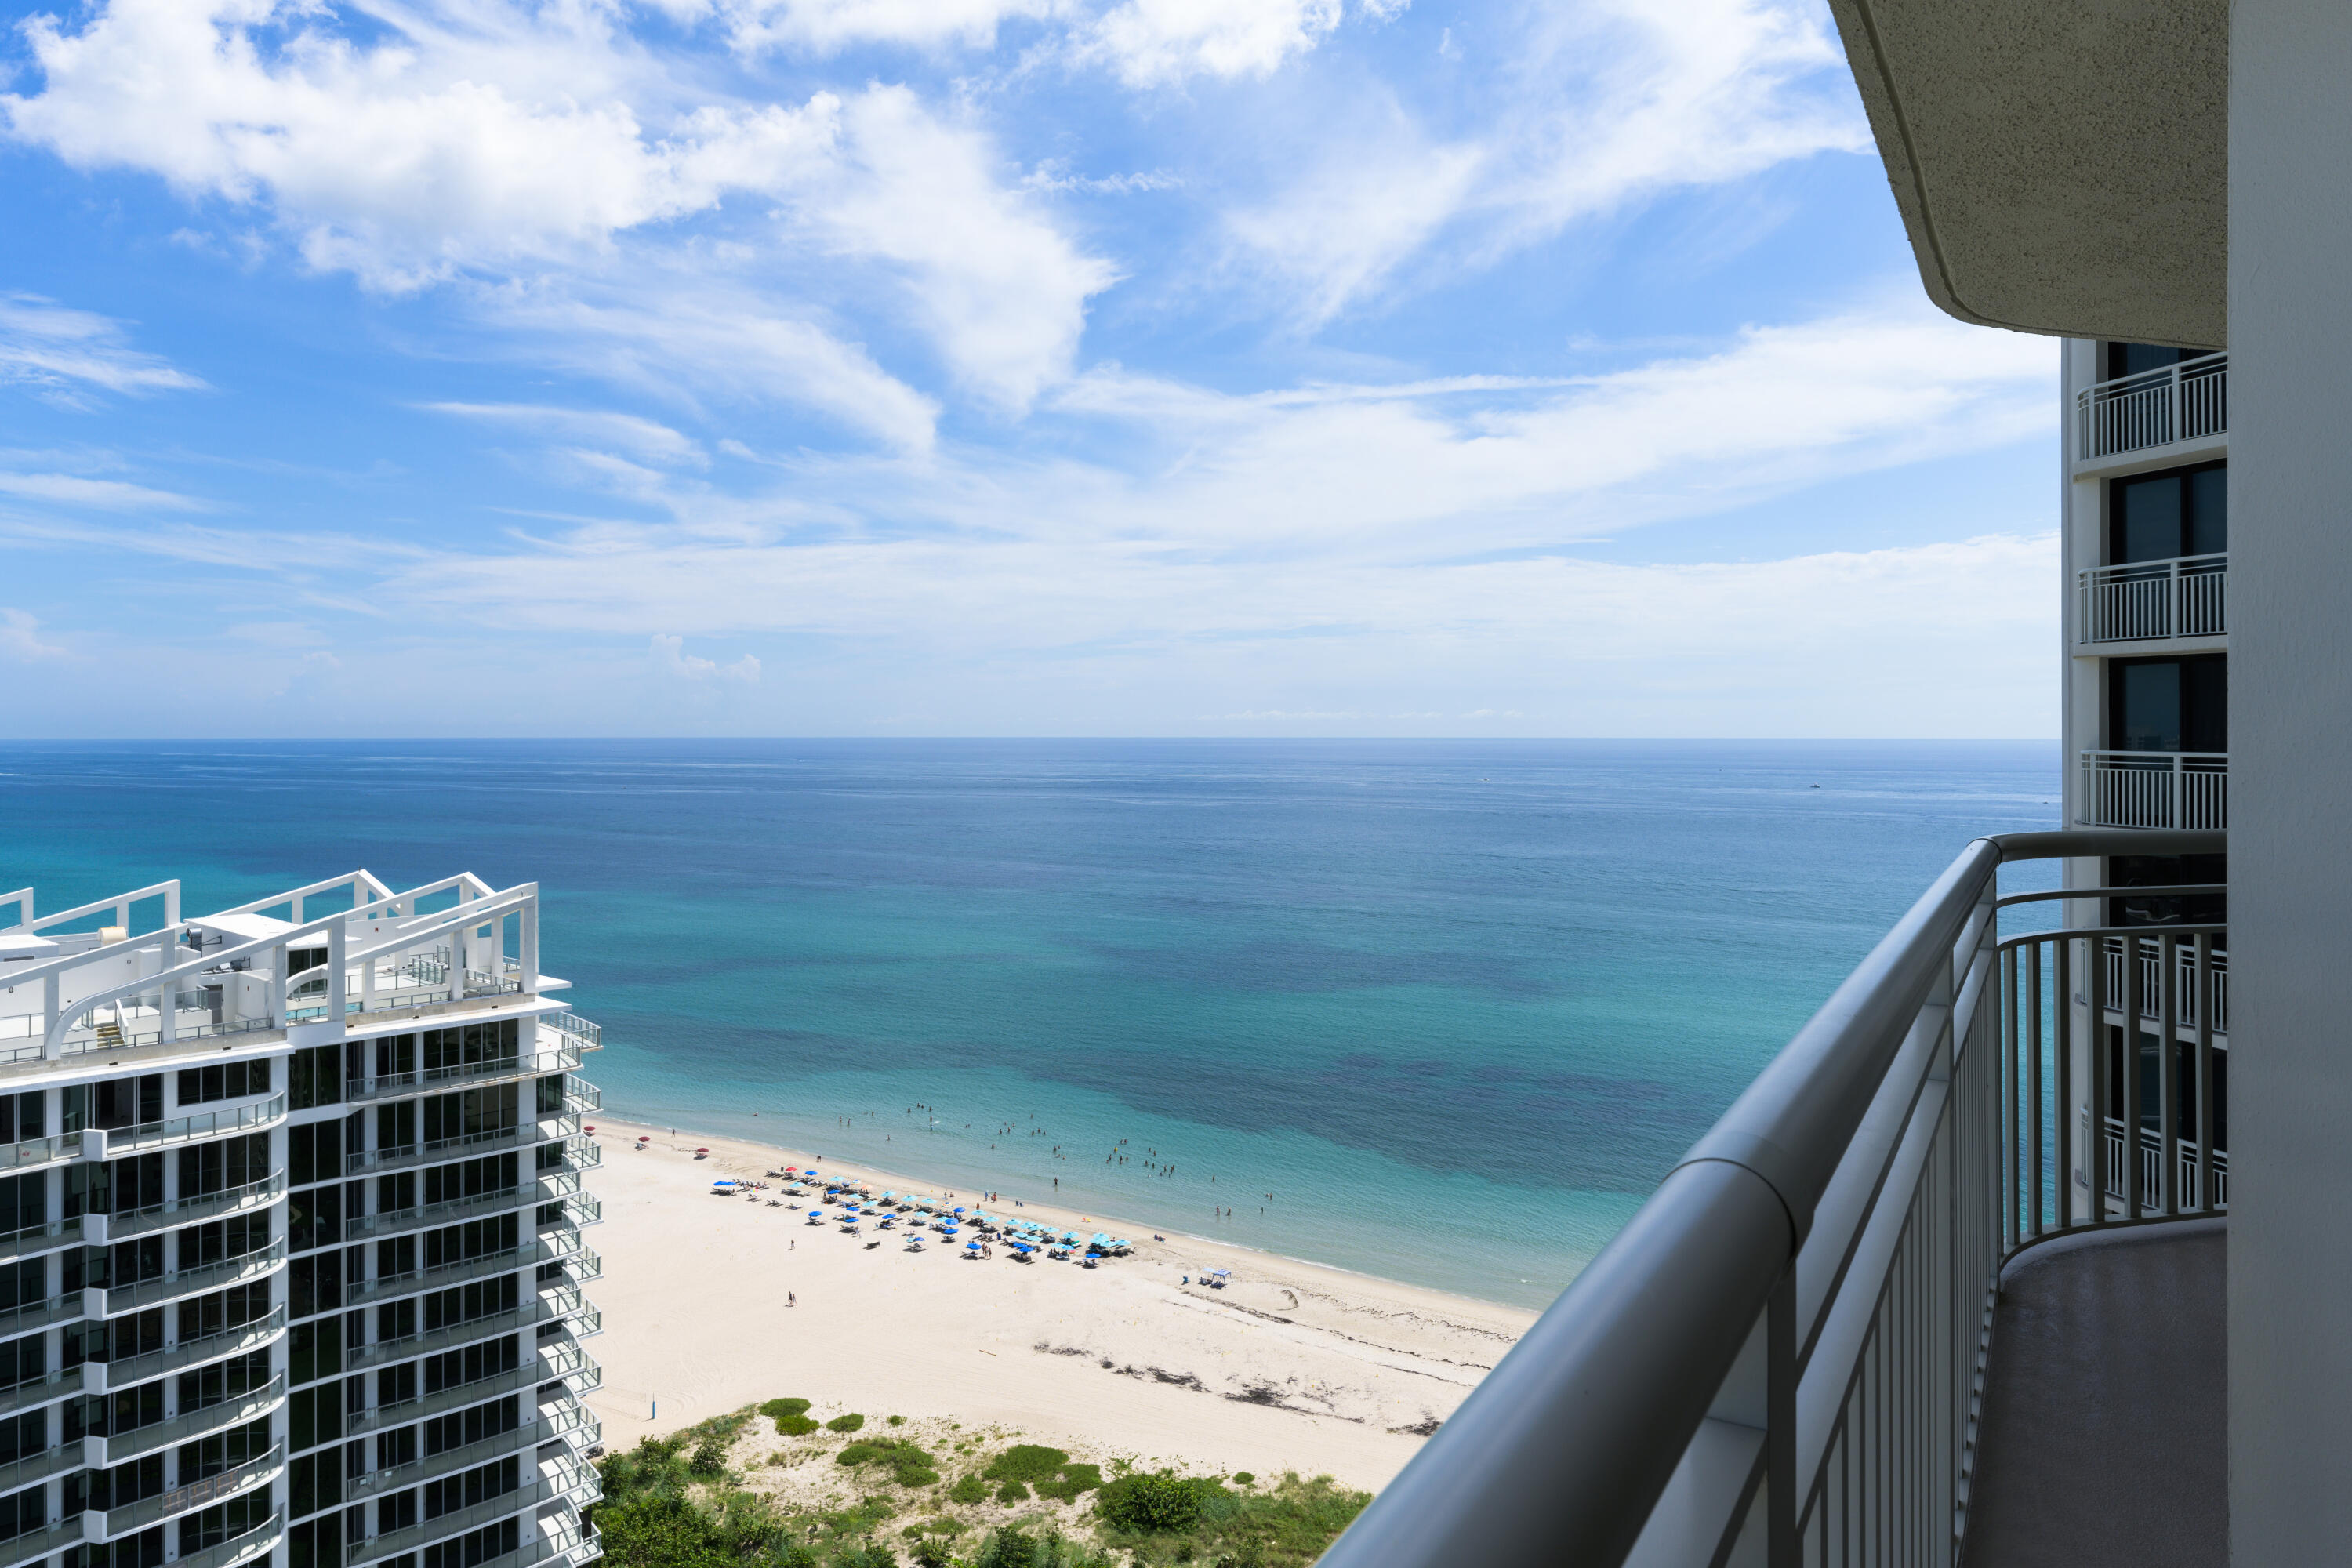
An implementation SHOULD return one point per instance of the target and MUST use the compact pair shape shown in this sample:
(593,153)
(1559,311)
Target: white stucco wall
(2290,790)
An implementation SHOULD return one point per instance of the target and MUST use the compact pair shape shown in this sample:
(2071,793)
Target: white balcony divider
(2187,597)
(2154,409)
(2188,790)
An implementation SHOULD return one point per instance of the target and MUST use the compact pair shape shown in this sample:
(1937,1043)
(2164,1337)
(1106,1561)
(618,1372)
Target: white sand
(1294,1367)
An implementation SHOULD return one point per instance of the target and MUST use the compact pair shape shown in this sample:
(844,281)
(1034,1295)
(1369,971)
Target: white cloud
(1151,43)
(57,348)
(670,659)
(103,495)
(20,637)
(1603,104)
(563,166)
(823,27)
(645,438)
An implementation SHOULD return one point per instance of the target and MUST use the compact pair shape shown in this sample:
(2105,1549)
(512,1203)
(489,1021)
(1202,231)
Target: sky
(991,367)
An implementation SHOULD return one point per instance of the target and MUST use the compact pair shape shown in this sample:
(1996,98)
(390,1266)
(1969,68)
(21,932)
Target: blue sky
(1284,367)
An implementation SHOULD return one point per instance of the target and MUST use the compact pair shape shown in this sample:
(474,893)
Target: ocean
(1440,1011)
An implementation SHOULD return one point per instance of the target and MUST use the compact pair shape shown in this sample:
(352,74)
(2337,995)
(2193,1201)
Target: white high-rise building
(2146,563)
(291,1234)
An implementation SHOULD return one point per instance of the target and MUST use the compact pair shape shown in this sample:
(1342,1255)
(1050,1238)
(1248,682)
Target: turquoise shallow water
(1456,1005)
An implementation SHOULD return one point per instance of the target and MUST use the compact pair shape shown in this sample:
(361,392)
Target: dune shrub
(1012,1492)
(710,1458)
(1152,1503)
(1026,1462)
(1075,1481)
(1243,1478)
(795,1426)
(969,1489)
(845,1422)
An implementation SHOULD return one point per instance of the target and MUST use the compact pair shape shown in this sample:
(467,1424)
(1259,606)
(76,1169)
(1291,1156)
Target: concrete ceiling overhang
(2061,165)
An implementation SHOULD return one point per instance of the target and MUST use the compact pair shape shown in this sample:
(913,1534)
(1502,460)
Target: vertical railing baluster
(2205,1119)
(2095,1133)
(2134,998)
(2063,1059)
(2168,1051)
(2012,1032)
(2033,1092)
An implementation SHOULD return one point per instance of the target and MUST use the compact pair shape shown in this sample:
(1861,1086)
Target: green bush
(1243,1477)
(932,1552)
(777,1409)
(795,1426)
(916,1476)
(857,1454)
(1016,1549)
(1010,1493)
(898,1421)
(969,1489)
(1026,1462)
(1158,1503)
(872,1554)
(710,1458)
(1076,1481)
(845,1422)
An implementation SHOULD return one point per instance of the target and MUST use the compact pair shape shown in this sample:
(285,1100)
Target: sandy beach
(1294,1366)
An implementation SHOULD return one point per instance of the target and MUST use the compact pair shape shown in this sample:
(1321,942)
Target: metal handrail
(116,1448)
(1701,1376)
(2153,408)
(2178,790)
(181,1211)
(195,1281)
(420,1080)
(2186,597)
(189,1353)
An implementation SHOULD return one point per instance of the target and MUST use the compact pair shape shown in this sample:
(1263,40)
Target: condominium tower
(291,1234)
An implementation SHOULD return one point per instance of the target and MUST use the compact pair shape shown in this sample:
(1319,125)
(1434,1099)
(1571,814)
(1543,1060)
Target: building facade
(293,1233)
(2147,725)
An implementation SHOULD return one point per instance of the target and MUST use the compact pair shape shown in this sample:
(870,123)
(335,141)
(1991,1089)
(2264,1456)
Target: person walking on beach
(792,1298)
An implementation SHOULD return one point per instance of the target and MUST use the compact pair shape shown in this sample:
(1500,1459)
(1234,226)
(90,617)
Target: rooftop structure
(291,1247)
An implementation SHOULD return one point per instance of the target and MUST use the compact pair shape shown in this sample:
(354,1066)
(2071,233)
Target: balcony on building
(2165,553)
(2167,764)
(2151,397)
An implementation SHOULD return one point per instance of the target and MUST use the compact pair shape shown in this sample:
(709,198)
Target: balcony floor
(2105,1431)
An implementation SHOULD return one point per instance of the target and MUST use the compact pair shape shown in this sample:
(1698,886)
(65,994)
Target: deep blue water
(1457,1005)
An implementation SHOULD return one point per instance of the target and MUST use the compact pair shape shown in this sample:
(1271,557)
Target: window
(24,1359)
(455,1369)
(471,1178)
(314,1217)
(314,1481)
(23,1202)
(222,1239)
(477,1238)
(223,1450)
(314,1153)
(227,1080)
(224,1167)
(111,1415)
(239,1516)
(396,1056)
(129,1186)
(464,1303)
(396,1447)
(316,1351)
(20,1117)
(314,1416)
(116,1103)
(318,1544)
(476,1424)
(397,1384)
(2169,704)
(472,1046)
(2132,359)
(479,1484)
(2184,1083)
(145,1549)
(24,1511)
(2156,517)
(316,1285)
(21,1437)
(474,1547)
(314,1077)
(223,1310)
(470,1113)
(23,1284)
(224,1381)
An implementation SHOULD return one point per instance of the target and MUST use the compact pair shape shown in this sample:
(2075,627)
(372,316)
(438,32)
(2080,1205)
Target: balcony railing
(2179,403)
(2195,979)
(1780,1358)
(2153,600)
(2187,790)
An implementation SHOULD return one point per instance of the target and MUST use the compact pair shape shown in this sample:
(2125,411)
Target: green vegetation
(676,1502)
(791,1417)
(898,1421)
(845,1424)
(1286,1526)
(909,1465)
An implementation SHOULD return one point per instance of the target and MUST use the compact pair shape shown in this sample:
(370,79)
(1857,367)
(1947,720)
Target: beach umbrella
(702,1150)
